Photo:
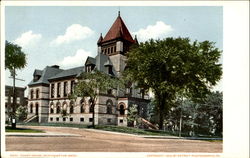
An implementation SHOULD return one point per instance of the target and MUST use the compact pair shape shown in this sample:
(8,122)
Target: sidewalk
(48,134)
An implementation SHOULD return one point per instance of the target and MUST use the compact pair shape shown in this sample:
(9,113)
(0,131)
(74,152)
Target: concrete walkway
(47,134)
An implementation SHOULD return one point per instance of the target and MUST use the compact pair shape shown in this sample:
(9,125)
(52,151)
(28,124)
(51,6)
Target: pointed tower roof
(118,30)
(100,39)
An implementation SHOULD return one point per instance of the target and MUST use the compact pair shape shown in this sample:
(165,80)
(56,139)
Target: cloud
(159,30)
(28,39)
(73,33)
(77,60)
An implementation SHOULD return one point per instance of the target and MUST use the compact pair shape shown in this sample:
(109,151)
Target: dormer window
(89,68)
(36,78)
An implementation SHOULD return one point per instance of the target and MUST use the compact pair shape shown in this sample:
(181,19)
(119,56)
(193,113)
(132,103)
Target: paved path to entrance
(84,140)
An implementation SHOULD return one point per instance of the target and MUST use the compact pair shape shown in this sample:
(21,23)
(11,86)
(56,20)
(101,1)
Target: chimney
(55,66)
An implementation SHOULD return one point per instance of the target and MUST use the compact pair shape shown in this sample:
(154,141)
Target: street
(85,140)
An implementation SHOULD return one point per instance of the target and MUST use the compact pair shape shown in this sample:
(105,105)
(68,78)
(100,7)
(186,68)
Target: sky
(66,35)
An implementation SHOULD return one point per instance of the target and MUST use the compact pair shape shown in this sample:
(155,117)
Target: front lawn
(22,130)
(129,130)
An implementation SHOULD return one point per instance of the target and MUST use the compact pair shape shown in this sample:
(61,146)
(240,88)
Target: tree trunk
(93,115)
(162,104)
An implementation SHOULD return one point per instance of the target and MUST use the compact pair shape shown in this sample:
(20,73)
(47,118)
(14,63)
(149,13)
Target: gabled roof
(47,72)
(68,73)
(37,72)
(90,60)
(118,30)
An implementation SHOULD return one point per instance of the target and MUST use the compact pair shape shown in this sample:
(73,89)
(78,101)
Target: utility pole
(13,116)
(180,124)
(181,117)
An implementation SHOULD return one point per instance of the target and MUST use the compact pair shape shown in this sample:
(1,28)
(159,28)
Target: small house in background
(21,100)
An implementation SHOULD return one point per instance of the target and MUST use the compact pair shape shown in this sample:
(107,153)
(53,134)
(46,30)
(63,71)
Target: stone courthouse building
(50,87)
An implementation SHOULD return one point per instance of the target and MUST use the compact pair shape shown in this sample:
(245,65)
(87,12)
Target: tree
(21,113)
(210,114)
(91,84)
(199,117)
(133,116)
(174,66)
(15,59)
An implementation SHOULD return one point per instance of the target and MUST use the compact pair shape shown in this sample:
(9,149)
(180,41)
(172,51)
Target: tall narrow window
(58,89)
(91,108)
(65,89)
(71,109)
(37,108)
(37,93)
(109,104)
(81,109)
(82,106)
(31,108)
(58,108)
(52,90)
(72,86)
(122,110)
(31,94)
(51,108)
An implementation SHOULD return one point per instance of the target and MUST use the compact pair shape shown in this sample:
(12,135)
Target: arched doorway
(122,110)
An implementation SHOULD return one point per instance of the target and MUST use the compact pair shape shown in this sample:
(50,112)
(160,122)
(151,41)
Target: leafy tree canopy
(14,57)
(174,66)
(91,84)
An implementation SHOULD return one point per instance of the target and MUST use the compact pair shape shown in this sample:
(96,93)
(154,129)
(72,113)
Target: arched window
(81,109)
(82,106)
(64,105)
(31,94)
(71,110)
(91,108)
(122,110)
(109,104)
(51,108)
(37,108)
(58,108)
(37,93)
(31,108)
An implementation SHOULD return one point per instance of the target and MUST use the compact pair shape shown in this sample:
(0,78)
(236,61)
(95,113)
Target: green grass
(214,140)
(23,130)
(121,129)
